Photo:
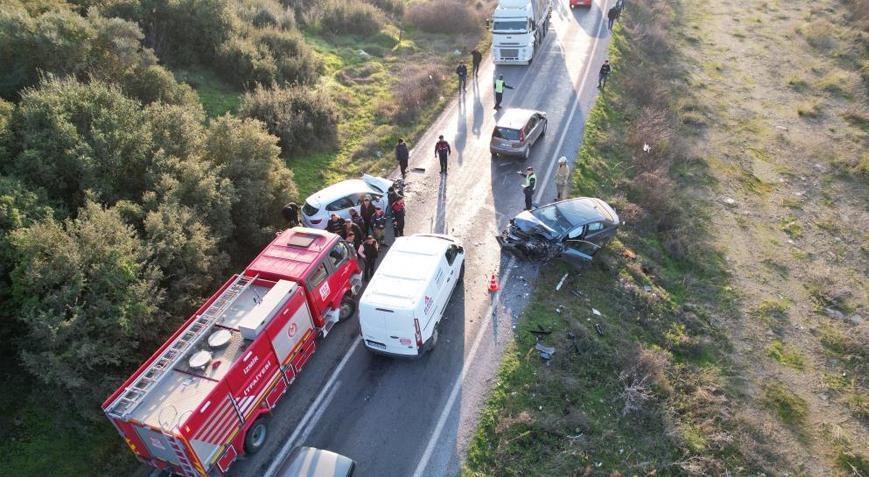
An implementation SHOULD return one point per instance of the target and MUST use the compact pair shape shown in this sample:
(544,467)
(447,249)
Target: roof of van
(404,274)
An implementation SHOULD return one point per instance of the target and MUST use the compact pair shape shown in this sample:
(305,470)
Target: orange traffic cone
(493,284)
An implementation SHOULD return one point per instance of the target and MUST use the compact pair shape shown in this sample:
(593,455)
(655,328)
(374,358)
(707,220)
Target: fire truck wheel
(348,308)
(256,436)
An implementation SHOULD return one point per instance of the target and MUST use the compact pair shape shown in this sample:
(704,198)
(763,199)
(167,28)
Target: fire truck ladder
(135,392)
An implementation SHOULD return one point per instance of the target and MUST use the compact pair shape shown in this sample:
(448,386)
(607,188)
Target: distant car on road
(580,3)
(339,198)
(516,131)
(313,462)
(573,230)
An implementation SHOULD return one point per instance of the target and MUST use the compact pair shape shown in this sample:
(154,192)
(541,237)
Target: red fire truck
(204,397)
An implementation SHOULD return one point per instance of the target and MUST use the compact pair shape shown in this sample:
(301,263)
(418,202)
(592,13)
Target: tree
(88,302)
(248,157)
(19,208)
(75,136)
(60,42)
(188,254)
(6,140)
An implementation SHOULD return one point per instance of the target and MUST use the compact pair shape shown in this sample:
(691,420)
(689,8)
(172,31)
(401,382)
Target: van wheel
(494,155)
(348,308)
(434,338)
(545,125)
(527,153)
(462,272)
(256,436)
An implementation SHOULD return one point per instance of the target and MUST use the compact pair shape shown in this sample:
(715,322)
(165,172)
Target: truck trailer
(518,28)
(204,397)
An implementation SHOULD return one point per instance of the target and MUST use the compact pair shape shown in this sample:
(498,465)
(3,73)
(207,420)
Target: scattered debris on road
(561,282)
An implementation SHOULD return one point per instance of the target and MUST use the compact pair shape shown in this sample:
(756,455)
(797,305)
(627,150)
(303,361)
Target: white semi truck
(518,28)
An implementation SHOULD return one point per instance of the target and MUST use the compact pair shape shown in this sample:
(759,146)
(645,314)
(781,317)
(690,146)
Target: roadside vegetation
(723,332)
(146,149)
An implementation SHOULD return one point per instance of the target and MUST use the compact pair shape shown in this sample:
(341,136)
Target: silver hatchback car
(516,131)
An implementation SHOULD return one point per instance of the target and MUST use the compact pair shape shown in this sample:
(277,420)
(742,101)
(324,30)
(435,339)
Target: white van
(401,309)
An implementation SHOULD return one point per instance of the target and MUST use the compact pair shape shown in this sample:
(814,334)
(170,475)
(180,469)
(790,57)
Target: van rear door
(386,330)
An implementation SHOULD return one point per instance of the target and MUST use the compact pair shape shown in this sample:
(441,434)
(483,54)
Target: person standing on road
(398,217)
(291,214)
(529,186)
(562,179)
(605,70)
(443,151)
(359,221)
(402,155)
(366,210)
(462,72)
(353,234)
(378,222)
(476,58)
(500,84)
(613,15)
(369,251)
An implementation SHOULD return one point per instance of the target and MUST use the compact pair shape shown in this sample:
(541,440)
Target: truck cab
(322,263)
(518,28)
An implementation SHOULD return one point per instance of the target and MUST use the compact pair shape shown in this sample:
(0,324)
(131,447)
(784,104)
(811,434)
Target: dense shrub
(241,61)
(340,17)
(296,62)
(156,84)
(303,119)
(416,89)
(73,137)
(61,42)
(393,7)
(449,16)
(88,304)
(248,157)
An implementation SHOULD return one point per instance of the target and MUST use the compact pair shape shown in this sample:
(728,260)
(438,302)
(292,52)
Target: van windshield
(516,25)
(506,133)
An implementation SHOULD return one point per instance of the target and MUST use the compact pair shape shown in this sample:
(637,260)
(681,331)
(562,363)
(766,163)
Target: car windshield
(520,25)
(505,133)
(552,218)
(309,209)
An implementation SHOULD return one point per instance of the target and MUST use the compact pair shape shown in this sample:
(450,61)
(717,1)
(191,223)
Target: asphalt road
(414,418)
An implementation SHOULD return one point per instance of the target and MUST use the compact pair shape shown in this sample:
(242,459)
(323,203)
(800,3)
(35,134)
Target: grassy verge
(34,442)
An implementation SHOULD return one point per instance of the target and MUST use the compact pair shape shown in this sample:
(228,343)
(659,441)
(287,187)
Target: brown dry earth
(779,89)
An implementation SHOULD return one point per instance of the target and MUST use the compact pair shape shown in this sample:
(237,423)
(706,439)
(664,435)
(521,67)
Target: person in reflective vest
(500,84)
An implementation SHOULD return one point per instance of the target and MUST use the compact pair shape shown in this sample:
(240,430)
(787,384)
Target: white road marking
(457,385)
(314,409)
(445,412)
(322,408)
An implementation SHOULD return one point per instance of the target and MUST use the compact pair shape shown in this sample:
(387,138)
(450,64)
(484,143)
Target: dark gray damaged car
(572,230)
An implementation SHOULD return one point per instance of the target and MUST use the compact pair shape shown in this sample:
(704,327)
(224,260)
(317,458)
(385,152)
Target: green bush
(61,43)
(393,7)
(449,16)
(156,84)
(242,61)
(340,17)
(296,62)
(303,119)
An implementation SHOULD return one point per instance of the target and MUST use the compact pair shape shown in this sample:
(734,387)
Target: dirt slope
(783,118)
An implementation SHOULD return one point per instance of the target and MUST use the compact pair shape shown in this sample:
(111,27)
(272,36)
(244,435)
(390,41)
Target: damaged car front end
(573,230)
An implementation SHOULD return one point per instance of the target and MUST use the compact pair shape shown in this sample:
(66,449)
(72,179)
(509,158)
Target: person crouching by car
(335,225)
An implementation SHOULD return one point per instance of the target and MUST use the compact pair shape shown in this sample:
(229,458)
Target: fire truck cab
(204,397)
